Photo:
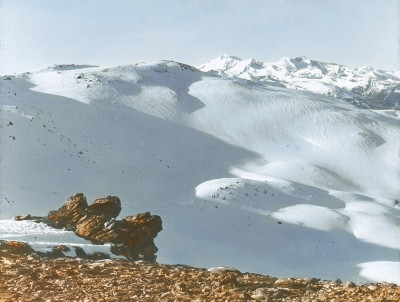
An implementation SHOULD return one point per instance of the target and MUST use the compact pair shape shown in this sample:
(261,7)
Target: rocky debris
(291,283)
(20,218)
(132,237)
(28,217)
(8,248)
(30,278)
(15,248)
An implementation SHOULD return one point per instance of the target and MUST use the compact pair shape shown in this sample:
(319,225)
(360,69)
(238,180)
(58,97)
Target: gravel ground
(31,278)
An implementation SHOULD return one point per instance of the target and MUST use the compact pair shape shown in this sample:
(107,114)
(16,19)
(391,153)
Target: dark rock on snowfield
(132,237)
(70,213)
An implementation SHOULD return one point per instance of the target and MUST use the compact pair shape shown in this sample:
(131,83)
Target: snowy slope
(243,173)
(364,87)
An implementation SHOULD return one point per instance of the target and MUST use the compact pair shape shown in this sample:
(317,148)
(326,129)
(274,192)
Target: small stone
(222,269)
(261,291)
(257,297)
(229,279)
(21,218)
(291,283)
(244,296)
(279,294)
(313,280)
(349,285)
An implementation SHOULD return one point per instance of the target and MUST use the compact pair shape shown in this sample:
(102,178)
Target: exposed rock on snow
(109,207)
(132,237)
(70,213)
(17,248)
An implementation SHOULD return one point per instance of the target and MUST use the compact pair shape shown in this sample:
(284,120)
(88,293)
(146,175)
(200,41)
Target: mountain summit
(364,87)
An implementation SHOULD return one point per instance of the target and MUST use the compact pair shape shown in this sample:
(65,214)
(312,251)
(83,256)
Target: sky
(35,34)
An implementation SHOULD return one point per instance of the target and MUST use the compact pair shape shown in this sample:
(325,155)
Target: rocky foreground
(29,275)
(32,278)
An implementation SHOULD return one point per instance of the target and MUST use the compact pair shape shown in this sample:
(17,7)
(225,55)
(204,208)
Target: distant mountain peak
(364,87)
(302,59)
(229,57)
(223,62)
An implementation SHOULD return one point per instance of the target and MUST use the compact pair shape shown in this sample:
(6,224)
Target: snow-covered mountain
(364,87)
(243,173)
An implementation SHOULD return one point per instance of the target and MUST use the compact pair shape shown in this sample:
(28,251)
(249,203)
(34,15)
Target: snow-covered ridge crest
(364,87)
(63,67)
(86,82)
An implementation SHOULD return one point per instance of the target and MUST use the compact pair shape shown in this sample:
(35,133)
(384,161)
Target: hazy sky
(39,33)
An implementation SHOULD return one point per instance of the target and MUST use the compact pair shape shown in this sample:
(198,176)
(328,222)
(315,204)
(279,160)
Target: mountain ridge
(364,87)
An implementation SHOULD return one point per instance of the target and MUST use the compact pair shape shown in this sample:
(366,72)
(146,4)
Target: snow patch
(381,271)
(320,218)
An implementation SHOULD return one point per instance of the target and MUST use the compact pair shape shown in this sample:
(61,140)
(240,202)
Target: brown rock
(61,249)
(80,253)
(291,283)
(229,278)
(143,223)
(70,213)
(109,206)
(29,217)
(21,218)
(15,247)
(280,293)
(107,234)
(262,292)
(133,237)
(26,278)
(349,285)
(137,233)
(89,226)
(244,296)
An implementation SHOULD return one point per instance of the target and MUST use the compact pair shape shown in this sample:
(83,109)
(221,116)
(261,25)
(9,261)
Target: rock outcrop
(70,213)
(132,237)
(109,207)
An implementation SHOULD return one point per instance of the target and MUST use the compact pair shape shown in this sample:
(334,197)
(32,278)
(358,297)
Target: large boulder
(132,237)
(90,225)
(109,207)
(70,213)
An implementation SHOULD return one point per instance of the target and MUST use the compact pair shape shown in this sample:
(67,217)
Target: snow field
(243,174)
